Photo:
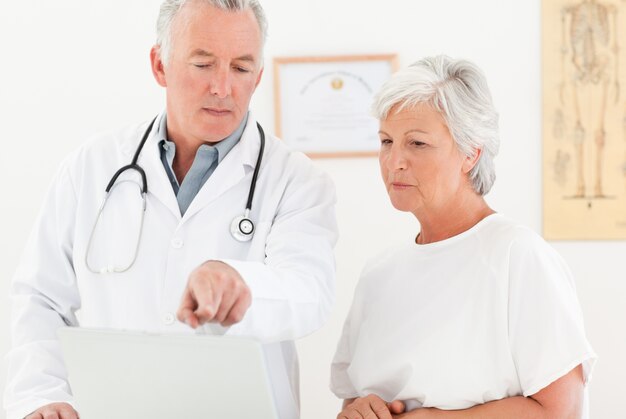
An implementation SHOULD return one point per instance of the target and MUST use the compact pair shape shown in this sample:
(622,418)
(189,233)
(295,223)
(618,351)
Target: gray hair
(458,90)
(170,8)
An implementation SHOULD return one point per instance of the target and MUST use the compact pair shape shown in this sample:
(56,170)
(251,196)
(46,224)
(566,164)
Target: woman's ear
(470,161)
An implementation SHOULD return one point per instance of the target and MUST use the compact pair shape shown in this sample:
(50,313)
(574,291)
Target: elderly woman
(478,316)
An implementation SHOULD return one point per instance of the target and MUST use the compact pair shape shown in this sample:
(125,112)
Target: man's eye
(242,69)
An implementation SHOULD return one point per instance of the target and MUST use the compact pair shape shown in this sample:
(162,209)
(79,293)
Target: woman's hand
(398,411)
(370,407)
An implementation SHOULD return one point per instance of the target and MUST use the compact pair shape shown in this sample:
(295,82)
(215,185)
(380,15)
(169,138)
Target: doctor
(201,254)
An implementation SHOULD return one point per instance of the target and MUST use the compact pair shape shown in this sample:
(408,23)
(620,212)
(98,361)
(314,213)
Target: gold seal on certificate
(337,83)
(323,104)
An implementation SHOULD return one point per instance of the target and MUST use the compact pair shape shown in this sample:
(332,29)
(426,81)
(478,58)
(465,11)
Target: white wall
(70,68)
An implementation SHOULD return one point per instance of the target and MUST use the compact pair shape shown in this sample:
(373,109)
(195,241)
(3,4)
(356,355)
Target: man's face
(212,71)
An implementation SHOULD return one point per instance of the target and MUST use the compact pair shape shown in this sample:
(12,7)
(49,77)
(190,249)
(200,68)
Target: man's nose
(221,83)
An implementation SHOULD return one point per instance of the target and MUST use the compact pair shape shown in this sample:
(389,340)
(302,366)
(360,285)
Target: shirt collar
(222,147)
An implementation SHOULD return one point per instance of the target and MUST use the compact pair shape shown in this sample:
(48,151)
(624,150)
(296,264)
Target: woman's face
(422,167)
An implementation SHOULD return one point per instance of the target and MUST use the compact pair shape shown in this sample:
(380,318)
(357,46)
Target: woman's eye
(201,65)
(417,143)
(385,141)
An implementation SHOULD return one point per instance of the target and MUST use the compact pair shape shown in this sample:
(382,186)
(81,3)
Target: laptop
(121,374)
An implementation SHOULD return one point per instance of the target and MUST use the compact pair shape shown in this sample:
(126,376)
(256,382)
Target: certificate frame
(322,103)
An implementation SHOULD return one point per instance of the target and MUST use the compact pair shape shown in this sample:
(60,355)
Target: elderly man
(210,223)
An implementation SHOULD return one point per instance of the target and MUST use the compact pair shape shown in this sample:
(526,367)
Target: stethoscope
(241,228)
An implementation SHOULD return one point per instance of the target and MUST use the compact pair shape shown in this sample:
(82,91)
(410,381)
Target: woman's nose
(397,159)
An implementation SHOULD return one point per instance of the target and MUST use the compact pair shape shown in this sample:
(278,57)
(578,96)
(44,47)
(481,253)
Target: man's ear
(470,161)
(157,65)
(258,79)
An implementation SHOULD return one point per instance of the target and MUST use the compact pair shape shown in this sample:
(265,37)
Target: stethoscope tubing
(242,227)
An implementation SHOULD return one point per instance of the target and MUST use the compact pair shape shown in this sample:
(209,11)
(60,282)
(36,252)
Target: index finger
(207,300)
(186,309)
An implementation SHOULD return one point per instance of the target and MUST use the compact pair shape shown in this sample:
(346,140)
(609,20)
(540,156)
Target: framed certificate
(322,104)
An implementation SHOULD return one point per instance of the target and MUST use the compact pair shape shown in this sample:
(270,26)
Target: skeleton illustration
(560,167)
(558,124)
(624,137)
(589,40)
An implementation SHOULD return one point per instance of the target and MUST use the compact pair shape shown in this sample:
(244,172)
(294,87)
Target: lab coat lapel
(231,170)
(150,160)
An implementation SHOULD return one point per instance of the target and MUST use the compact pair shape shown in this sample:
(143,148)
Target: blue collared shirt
(204,164)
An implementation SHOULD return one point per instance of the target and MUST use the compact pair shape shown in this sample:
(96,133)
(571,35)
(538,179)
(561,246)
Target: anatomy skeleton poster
(584,119)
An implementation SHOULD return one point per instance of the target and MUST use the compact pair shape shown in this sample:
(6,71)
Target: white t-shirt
(488,314)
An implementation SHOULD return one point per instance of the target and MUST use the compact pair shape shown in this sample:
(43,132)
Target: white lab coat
(288,265)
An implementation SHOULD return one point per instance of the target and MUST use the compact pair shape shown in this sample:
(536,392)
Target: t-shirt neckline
(454,239)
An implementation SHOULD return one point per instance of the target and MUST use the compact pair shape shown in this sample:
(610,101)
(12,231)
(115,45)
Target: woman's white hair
(458,90)
(170,8)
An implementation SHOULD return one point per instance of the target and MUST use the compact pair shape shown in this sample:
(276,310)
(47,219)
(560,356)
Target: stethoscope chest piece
(242,228)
